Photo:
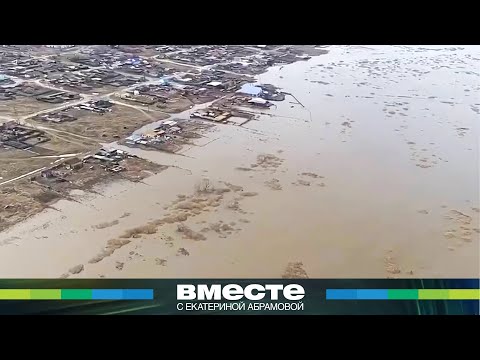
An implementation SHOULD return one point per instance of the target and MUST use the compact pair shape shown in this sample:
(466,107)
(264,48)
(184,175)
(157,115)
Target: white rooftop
(170,122)
(214,83)
(258,101)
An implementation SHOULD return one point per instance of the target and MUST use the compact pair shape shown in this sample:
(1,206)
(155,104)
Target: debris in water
(76,269)
(295,270)
(274,184)
(183,251)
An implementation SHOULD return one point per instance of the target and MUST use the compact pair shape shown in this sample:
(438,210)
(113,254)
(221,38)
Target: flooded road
(374,174)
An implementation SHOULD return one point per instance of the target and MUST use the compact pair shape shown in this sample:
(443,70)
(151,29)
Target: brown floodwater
(374,174)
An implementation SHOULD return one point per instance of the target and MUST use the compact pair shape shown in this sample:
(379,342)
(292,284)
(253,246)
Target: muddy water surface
(374,174)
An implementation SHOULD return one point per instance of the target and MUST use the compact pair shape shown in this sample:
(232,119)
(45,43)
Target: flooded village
(239,161)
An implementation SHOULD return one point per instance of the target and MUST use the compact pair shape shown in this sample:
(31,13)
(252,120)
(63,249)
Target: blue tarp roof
(250,89)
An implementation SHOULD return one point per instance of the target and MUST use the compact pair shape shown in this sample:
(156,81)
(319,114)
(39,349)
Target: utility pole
(15,115)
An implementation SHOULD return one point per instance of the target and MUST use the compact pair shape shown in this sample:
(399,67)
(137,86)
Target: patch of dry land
(30,195)
(107,127)
(22,106)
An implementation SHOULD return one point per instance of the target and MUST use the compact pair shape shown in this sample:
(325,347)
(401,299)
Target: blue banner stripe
(372,294)
(107,294)
(138,294)
(341,294)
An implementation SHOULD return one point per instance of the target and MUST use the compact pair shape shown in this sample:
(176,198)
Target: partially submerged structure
(212,114)
(168,135)
(110,159)
(267,92)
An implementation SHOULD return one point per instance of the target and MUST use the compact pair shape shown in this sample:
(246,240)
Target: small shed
(259,102)
(214,83)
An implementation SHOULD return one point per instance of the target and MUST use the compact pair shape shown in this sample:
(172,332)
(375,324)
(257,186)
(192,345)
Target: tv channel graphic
(241,297)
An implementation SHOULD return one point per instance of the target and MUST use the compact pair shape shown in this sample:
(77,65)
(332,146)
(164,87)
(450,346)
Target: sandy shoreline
(329,190)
